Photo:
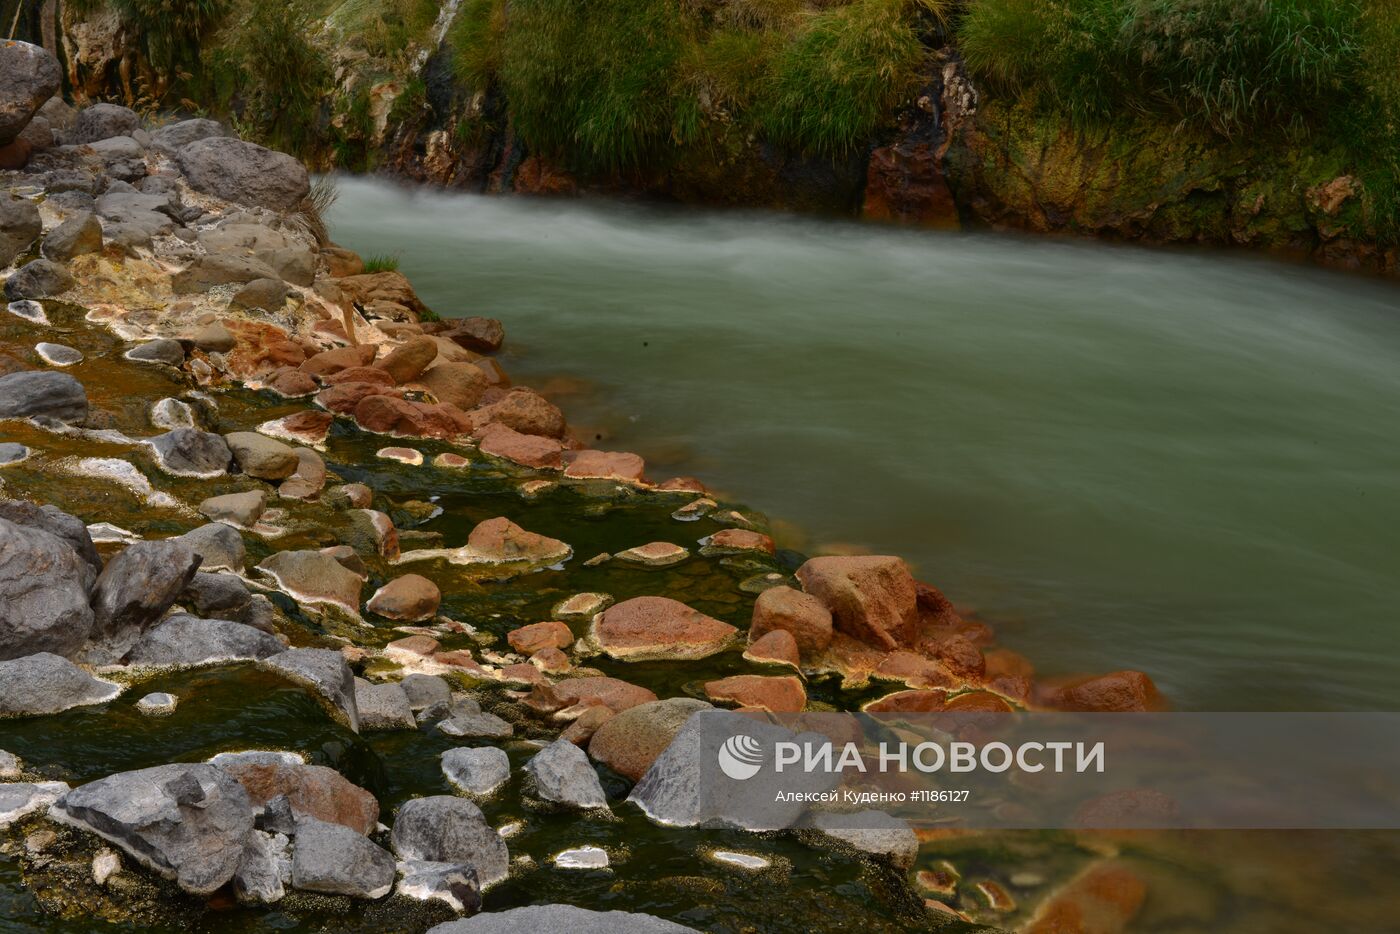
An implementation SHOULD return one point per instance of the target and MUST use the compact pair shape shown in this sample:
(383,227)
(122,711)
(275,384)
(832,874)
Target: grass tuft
(381,263)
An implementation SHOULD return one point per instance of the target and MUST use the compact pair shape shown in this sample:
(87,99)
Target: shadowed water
(1176,461)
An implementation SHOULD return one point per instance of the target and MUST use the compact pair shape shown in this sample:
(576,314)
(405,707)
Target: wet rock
(1117,692)
(406,361)
(560,919)
(728,541)
(461,384)
(305,427)
(183,639)
(20,225)
(307,480)
(170,138)
(476,770)
(563,775)
(383,707)
(777,647)
(189,823)
(476,726)
(411,597)
(219,545)
(58,354)
(452,884)
(647,628)
(259,877)
(446,829)
(12,453)
(43,683)
(871,598)
(389,415)
(425,691)
(314,577)
(290,383)
(777,694)
(586,605)
(214,338)
(40,278)
(501,540)
(325,672)
(655,554)
(372,532)
(586,725)
(244,173)
(29,76)
(157,704)
(9,766)
(267,294)
(61,525)
(872,832)
(525,411)
(629,742)
(102,121)
(334,860)
(312,792)
(240,509)
(342,398)
(329,362)
(527,450)
(528,640)
(262,457)
(164,350)
(134,590)
(78,235)
(605,465)
(189,452)
(570,697)
(23,798)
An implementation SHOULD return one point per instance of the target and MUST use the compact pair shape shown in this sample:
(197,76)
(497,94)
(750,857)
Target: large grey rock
(20,225)
(29,75)
(452,884)
(58,354)
(102,121)
(117,149)
(687,786)
(22,798)
(334,860)
(44,587)
(262,457)
(288,257)
(40,278)
(476,725)
(150,214)
(564,776)
(267,294)
(205,272)
(189,452)
(445,829)
(42,684)
(171,138)
(560,919)
(189,823)
(134,590)
(161,350)
(244,173)
(79,234)
(182,639)
(58,523)
(314,577)
(872,832)
(241,509)
(43,393)
(219,545)
(258,879)
(425,691)
(222,596)
(325,672)
(383,706)
(476,770)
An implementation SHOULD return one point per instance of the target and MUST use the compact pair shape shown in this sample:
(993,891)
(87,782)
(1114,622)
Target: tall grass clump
(171,31)
(476,37)
(284,74)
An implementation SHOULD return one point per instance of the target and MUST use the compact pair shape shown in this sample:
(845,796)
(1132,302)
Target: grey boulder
(240,509)
(189,452)
(44,586)
(383,706)
(219,545)
(262,457)
(37,393)
(289,258)
(258,879)
(335,860)
(326,673)
(189,823)
(29,76)
(425,691)
(42,684)
(21,798)
(207,271)
(182,639)
(476,770)
(452,884)
(58,523)
(20,225)
(445,829)
(244,173)
(134,590)
(40,278)
(560,919)
(171,138)
(102,121)
(79,234)
(563,775)
(161,350)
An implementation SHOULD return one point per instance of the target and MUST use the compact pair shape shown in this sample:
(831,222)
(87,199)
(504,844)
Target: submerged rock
(335,860)
(560,919)
(158,704)
(325,671)
(189,452)
(444,829)
(162,350)
(22,798)
(43,593)
(872,832)
(189,823)
(563,775)
(453,884)
(43,393)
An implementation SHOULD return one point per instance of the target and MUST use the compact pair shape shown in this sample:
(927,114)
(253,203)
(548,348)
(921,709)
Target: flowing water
(1183,462)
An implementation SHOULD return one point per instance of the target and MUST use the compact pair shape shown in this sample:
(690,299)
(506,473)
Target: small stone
(586,605)
(476,770)
(730,541)
(157,704)
(582,857)
(164,350)
(58,354)
(477,726)
(383,706)
(777,647)
(9,766)
(655,554)
(237,509)
(776,694)
(564,776)
(453,884)
(605,465)
(450,461)
(530,639)
(29,310)
(402,455)
(649,628)
(419,645)
(172,413)
(551,660)
(262,457)
(742,860)
(105,864)
(12,453)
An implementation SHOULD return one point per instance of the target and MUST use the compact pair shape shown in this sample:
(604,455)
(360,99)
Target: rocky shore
(240,469)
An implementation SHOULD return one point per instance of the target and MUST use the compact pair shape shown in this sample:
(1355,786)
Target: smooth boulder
(44,683)
(334,860)
(102,121)
(564,776)
(44,600)
(244,173)
(40,278)
(29,76)
(43,393)
(189,452)
(134,590)
(326,673)
(183,639)
(445,829)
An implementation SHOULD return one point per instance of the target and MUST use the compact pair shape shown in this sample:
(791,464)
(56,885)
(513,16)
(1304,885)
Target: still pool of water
(1176,461)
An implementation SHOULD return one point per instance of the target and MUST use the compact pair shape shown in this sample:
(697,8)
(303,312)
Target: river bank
(261,499)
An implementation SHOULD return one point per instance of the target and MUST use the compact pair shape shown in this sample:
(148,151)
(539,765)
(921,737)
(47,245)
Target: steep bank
(866,108)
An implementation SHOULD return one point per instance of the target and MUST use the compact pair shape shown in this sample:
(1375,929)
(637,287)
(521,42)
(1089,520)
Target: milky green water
(1184,462)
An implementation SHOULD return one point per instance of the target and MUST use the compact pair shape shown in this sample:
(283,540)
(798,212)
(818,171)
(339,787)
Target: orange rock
(527,450)
(411,597)
(290,382)
(551,660)
(582,730)
(522,673)
(390,416)
(329,362)
(528,640)
(572,696)
(646,628)
(783,694)
(360,374)
(915,670)
(870,597)
(682,485)
(343,398)
(1104,899)
(604,465)
(777,646)
(462,659)
(405,362)
(311,790)
(417,645)
(803,615)
(522,410)
(909,702)
(742,540)
(500,539)
(1119,691)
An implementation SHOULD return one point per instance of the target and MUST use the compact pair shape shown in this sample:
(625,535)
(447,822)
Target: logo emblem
(740,757)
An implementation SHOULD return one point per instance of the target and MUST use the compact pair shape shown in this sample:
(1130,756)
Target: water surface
(1183,462)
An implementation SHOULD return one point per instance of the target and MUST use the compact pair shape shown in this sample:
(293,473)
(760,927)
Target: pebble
(12,453)
(106,532)
(511,829)
(157,704)
(583,857)
(742,860)
(28,310)
(58,354)
(402,455)
(9,765)
(655,554)
(584,605)
(172,414)
(451,461)
(105,865)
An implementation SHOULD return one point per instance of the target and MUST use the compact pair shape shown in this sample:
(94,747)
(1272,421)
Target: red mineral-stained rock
(646,628)
(360,374)
(778,647)
(500,539)
(343,398)
(526,450)
(784,694)
(311,790)
(871,597)
(801,614)
(742,540)
(528,640)
(329,362)
(1118,692)
(604,465)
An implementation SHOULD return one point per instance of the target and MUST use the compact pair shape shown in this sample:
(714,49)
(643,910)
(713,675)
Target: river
(1184,462)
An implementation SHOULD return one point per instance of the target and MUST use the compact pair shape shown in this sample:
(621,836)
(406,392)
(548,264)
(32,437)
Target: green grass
(381,263)
(283,74)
